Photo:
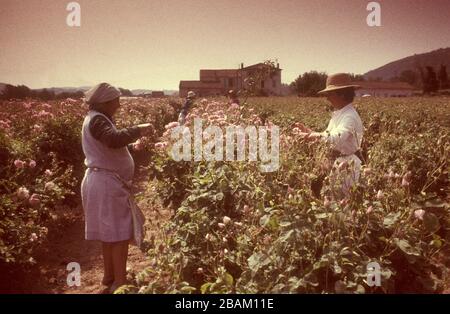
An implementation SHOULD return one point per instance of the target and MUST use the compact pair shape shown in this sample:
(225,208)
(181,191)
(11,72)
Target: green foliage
(42,165)
(309,83)
(238,230)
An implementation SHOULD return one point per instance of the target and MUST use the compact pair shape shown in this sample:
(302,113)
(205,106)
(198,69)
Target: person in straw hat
(188,103)
(344,134)
(105,197)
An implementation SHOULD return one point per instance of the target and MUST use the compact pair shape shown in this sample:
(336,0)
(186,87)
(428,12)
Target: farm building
(384,89)
(219,82)
(153,94)
(158,94)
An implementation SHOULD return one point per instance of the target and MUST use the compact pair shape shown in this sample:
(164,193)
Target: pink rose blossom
(226,220)
(32,164)
(405,183)
(161,145)
(380,195)
(19,164)
(419,214)
(406,180)
(234,106)
(23,193)
(33,237)
(390,174)
(50,185)
(4,124)
(34,200)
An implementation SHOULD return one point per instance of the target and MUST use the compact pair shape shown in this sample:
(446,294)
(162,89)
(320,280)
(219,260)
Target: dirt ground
(66,244)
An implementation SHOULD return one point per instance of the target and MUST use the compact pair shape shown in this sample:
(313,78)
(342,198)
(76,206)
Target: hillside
(434,58)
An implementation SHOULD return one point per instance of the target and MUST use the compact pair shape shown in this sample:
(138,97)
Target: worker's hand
(137,146)
(146,129)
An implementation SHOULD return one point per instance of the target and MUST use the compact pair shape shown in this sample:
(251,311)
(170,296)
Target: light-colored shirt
(345,130)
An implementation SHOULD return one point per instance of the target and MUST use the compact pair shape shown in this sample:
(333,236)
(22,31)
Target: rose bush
(42,164)
(239,230)
(235,228)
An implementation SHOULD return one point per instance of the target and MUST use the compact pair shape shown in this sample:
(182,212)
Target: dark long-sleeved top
(103,131)
(186,106)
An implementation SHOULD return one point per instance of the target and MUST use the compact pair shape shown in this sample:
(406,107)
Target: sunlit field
(227,227)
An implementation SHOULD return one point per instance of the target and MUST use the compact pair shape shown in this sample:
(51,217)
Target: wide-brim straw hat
(191,94)
(338,81)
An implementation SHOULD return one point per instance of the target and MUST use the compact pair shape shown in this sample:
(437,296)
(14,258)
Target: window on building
(262,84)
(274,83)
(231,82)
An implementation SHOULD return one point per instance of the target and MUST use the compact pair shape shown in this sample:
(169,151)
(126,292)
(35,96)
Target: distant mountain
(394,69)
(140,91)
(2,87)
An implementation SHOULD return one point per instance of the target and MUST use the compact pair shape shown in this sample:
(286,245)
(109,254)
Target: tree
(125,92)
(46,94)
(429,80)
(309,83)
(22,92)
(443,77)
(254,81)
(357,77)
(409,76)
(17,92)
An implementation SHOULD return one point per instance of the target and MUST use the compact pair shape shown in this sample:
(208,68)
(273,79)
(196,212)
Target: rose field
(226,226)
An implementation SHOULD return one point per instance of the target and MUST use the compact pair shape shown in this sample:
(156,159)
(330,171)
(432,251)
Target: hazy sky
(156,43)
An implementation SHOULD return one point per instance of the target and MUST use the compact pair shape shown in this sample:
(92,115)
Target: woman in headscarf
(105,196)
